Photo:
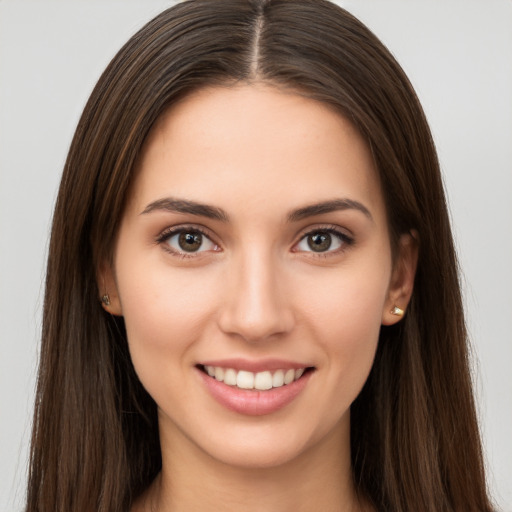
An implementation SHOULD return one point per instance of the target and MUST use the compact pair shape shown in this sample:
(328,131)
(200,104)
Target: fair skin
(255,282)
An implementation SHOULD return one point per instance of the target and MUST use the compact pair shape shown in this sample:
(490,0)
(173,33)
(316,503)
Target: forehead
(254,142)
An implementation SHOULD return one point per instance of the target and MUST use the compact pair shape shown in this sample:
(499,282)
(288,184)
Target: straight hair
(415,442)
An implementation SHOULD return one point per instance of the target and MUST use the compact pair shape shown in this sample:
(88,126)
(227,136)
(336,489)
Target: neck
(318,479)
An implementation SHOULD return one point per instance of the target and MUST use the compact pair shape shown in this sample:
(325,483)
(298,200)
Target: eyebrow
(170,204)
(328,207)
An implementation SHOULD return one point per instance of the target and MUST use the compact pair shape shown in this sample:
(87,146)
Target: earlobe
(402,279)
(107,288)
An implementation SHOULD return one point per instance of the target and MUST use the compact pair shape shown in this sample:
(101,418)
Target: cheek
(165,312)
(345,320)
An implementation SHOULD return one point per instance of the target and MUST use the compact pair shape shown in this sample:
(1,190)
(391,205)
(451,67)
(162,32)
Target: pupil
(190,242)
(319,242)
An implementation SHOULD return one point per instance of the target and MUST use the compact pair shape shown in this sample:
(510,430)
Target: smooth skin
(256,275)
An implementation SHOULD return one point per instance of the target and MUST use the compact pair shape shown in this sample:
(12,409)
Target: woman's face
(254,248)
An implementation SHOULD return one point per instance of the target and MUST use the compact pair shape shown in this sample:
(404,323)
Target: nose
(257,304)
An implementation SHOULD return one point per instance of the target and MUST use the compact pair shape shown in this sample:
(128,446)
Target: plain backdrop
(458,55)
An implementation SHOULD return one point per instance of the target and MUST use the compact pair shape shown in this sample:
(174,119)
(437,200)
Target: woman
(252,296)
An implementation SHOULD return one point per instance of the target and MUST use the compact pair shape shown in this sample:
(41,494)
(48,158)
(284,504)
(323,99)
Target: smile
(261,381)
(267,389)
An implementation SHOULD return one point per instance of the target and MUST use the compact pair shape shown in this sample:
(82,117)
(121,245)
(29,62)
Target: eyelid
(346,239)
(171,231)
(342,233)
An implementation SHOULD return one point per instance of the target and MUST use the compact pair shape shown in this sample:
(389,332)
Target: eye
(187,241)
(323,241)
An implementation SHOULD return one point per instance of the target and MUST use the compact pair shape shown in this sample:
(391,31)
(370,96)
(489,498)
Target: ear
(402,279)
(107,287)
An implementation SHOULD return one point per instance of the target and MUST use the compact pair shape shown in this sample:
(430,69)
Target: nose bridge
(257,306)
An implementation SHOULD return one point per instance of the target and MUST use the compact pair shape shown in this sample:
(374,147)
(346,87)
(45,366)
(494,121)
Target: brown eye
(323,241)
(190,241)
(187,241)
(319,242)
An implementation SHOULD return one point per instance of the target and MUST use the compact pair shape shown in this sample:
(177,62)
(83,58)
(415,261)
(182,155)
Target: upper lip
(252,365)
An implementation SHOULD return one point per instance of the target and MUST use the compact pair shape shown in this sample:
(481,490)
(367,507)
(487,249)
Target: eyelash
(168,233)
(345,240)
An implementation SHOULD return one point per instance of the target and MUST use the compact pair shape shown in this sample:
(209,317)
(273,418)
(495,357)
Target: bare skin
(255,236)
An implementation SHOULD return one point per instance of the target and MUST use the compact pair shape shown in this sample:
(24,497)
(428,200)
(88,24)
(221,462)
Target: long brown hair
(414,433)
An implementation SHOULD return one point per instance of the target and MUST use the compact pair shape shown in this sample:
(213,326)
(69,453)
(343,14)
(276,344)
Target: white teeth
(261,381)
(278,379)
(230,377)
(289,376)
(245,380)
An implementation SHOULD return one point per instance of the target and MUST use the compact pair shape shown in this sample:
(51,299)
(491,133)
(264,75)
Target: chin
(260,456)
(266,444)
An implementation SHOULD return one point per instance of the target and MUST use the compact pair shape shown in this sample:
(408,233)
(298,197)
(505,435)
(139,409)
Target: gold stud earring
(397,311)
(106,299)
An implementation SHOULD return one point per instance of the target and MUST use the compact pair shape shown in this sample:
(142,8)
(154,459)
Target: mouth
(257,381)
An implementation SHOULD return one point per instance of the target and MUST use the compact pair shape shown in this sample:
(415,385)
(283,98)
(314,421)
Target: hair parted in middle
(414,435)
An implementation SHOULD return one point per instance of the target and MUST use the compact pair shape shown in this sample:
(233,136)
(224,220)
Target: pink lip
(253,402)
(255,366)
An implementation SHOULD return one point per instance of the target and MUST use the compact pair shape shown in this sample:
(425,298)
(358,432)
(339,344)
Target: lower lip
(254,402)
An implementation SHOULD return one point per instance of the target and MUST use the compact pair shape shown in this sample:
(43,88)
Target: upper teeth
(249,380)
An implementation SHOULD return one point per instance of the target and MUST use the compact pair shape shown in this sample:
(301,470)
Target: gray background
(458,55)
